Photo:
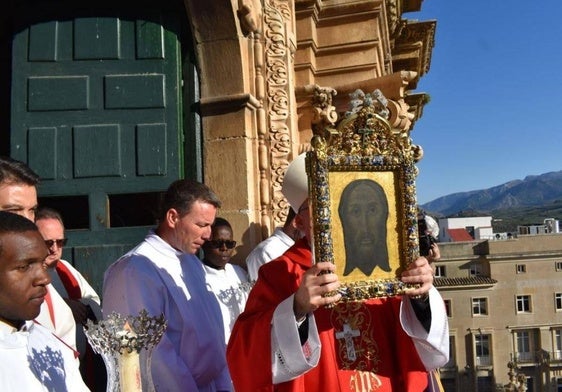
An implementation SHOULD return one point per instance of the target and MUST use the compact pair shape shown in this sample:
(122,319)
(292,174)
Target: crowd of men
(288,332)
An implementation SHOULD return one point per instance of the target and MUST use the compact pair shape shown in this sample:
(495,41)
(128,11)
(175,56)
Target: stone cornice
(413,47)
(337,9)
(393,86)
(395,9)
(228,103)
(416,102)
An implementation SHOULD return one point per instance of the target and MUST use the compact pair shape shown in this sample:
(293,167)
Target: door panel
(96,111)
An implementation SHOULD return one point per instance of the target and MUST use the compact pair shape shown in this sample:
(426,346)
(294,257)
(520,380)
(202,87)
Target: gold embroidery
(355,351)
(364,382)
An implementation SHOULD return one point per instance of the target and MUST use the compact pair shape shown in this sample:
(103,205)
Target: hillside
(518,202)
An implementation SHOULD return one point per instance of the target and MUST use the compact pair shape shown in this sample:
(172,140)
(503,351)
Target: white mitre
(295,183)
(432,226)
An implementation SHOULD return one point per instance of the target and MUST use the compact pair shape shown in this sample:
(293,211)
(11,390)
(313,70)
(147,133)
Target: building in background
(550,226)
(480,228)
(465,229)
(504,302)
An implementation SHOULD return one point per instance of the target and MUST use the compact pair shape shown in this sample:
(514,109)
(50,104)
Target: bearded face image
(363,211)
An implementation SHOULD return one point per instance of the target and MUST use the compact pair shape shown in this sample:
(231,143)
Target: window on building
(448,308)
(558,265)
(452,353)
(521,268)
(482,349)
(557,354)
(479,306)
(523,304)
(524,343)
(440,271)
(475,269)
(558,301)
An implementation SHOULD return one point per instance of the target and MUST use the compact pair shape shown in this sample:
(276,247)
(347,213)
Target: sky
(495,83)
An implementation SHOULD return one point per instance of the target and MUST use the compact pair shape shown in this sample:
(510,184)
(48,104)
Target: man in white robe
(18,194)
(163,276)
(229,282)
(75,290)
(273,246)
(32,357)
(230,286)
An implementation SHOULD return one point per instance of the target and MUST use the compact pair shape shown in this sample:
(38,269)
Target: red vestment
(384,357)
(69,281)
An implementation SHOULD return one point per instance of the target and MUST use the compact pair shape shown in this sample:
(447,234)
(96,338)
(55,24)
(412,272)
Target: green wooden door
(96,111)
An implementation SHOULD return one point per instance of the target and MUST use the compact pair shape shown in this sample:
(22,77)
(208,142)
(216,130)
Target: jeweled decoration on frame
(362,187)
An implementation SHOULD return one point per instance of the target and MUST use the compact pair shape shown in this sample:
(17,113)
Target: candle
(129,363)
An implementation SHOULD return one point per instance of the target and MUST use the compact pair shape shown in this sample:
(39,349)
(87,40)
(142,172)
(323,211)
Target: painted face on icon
(363,211)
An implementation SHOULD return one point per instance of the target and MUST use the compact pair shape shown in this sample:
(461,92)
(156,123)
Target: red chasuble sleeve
(249,349)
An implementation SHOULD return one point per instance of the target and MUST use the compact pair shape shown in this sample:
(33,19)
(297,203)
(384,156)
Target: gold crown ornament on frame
(362,189)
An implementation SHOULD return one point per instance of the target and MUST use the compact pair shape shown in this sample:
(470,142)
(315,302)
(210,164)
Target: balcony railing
(526,357)
(538,357)
(484,361)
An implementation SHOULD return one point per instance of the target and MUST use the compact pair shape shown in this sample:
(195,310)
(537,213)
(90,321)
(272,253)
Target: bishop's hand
(419,272)
(318,281)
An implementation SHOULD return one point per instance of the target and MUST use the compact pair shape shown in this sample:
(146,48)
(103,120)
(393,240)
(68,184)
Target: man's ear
(172,217)
(293,222)
(299,223)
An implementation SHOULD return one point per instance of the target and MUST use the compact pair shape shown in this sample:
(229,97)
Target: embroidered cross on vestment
(348,334)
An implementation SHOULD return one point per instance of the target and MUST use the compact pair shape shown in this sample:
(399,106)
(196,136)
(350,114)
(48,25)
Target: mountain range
(527,201)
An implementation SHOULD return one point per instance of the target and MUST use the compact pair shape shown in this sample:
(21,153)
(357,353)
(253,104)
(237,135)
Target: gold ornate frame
(363,149)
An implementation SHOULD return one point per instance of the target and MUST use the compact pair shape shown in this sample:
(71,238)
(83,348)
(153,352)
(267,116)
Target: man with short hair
(18,194)
(163,276)
(273,246)
(228,281)
(32,357)
(69,282)
(76,291)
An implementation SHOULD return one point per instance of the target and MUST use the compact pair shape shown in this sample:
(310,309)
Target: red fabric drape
(69,281)
(386,357)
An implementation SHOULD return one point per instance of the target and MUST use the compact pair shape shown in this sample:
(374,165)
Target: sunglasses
(216,244)
(60,243)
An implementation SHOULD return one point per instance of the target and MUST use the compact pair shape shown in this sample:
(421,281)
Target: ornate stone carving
(249,14)
(278,65)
